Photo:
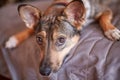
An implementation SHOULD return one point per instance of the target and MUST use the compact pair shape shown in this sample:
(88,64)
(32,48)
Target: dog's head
(57,31)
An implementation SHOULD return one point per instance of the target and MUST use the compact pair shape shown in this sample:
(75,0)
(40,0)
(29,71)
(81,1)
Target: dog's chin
(52,72)
(57,68)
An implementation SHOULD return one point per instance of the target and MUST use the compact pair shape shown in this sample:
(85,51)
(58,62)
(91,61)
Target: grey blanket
(93,58)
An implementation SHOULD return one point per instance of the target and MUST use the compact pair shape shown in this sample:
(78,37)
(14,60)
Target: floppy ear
(74,13)
(29,14)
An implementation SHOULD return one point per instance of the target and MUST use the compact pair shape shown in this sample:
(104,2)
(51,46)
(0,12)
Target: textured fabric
(93,58)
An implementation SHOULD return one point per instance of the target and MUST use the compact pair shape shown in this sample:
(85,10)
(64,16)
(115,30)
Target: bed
(93,58)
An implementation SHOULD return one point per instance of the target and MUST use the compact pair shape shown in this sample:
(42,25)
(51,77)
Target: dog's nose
(45,71)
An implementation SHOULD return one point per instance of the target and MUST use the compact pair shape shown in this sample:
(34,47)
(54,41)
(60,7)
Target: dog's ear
(74,13)
(29,14)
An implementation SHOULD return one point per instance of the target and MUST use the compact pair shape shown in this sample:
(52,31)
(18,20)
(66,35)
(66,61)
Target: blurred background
(5,2)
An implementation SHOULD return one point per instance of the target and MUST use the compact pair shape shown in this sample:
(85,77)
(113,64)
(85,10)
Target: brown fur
(58,29)
(105,20)
(23,35)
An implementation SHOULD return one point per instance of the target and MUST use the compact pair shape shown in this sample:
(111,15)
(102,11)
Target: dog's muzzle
(45,71)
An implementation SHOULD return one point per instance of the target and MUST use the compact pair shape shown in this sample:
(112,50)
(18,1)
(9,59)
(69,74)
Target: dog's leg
(16,39)
(109,29)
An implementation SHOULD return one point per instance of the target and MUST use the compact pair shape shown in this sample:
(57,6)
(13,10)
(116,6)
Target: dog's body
(58,29)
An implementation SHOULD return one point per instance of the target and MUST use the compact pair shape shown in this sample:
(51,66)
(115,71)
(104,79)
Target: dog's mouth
(46,70)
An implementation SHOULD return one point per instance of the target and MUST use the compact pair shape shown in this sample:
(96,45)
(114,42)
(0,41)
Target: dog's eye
(60,41)
(39,40)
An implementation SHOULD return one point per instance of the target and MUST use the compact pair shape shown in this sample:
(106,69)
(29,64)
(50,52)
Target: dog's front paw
(113,34)
(11,43)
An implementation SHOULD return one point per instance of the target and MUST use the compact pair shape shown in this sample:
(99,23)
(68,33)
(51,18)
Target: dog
(58,29)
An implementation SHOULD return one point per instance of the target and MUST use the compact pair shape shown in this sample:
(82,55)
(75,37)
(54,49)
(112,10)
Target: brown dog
(58,29)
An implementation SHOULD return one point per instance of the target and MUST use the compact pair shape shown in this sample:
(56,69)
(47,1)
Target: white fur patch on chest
(88,12)
(88,7)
